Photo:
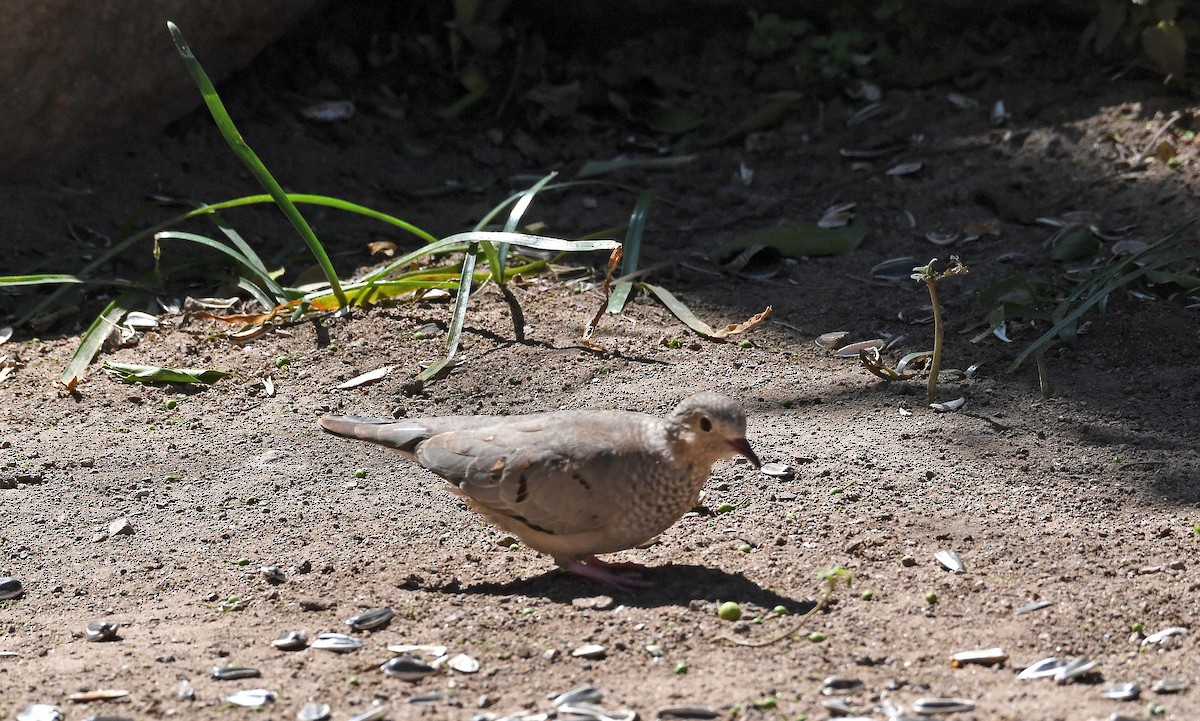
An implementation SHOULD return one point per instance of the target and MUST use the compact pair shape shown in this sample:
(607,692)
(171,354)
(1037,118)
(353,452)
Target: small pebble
(431,697)
(184,691)
(369,620)
(464,664)
(11,588)
(120,527)
(291,641)
(100,631)
(600,603)
(312,711)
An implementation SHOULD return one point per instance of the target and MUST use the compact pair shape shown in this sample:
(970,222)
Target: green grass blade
(242,150)
(93,339)
(302,198)
(1097,295)
(632,251)
(514,220)
(594,168)
(680,311)
(460,241)
(40,279)
(454,332)
(256,292)
(273,287)
(1043,374)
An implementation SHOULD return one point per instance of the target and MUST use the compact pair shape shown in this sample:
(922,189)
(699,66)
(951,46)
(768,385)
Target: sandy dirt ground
(1088,501)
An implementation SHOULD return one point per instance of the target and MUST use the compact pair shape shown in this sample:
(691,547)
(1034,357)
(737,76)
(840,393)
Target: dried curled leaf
(614,259)
(685,314)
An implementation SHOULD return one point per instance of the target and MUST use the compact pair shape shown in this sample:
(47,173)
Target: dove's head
(712,425)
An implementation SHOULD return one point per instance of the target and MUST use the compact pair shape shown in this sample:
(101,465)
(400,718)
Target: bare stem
(936,361)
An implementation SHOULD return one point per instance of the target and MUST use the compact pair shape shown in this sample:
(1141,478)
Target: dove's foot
(595,562)
(601,571)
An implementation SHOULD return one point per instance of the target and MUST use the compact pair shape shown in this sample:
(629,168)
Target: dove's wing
(560,473)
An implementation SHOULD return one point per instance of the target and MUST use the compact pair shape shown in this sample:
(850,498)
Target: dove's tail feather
(404,436)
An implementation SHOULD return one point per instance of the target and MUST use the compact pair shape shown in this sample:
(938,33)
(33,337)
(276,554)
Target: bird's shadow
(674,584)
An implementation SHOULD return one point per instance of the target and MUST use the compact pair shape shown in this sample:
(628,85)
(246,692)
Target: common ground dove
(572,484)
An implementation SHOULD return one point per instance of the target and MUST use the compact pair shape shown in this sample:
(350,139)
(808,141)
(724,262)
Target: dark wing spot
(581,481)
(522,490)
(535,527)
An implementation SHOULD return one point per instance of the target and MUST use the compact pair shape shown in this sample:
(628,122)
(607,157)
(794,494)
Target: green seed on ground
(725,508)
(816,637)
(931,597)
(780,610)
(867,595)
(171,403)
(680,668)
(243,561)
(282,361)
(729,611)
(360,473)
(744,548)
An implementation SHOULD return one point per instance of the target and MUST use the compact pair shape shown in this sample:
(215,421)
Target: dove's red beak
(742,446)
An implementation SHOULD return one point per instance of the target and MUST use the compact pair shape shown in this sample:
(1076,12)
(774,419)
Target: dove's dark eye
(705,424)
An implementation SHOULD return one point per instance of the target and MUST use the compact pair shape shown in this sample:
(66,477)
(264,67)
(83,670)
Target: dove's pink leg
(628,565)
(623,581)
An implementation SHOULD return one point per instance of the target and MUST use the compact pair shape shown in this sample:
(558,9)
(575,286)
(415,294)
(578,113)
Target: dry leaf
(248,334)
(735,328)
(987,227)
(386,248)
(250,318)
(368,377)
